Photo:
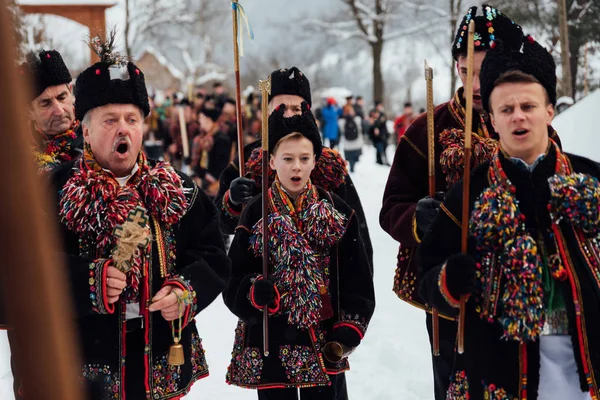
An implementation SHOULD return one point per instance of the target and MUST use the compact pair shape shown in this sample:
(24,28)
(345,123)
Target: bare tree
(377,22)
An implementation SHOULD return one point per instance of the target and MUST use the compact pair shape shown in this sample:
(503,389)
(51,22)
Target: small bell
(176,356)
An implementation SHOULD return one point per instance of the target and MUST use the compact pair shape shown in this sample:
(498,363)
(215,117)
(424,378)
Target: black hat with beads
(489,27)
(103,83)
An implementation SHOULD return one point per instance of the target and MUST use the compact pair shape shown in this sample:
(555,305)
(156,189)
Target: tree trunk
(567,86)
(378,89)
(127,23)
(575,49)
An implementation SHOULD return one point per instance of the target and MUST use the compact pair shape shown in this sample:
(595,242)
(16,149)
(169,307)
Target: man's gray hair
(87,118)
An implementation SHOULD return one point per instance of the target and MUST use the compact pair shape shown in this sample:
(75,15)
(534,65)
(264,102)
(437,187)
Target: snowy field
(393,362)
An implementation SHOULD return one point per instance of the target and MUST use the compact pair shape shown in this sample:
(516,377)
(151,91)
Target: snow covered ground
(393,362)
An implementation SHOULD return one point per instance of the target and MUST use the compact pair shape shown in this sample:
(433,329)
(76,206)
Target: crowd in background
(211,129)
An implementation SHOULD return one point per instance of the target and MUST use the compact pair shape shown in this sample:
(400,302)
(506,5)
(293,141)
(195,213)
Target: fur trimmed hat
(212,113)
(304,123)
(45,70)
(290,81)
(489,27)
(97,86)
(532,59)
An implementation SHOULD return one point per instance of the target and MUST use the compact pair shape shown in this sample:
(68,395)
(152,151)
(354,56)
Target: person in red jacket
(403,121)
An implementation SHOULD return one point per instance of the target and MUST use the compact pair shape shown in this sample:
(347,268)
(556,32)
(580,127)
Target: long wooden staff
(467,176)
(265,89)
(33,280)
(431,161)
(238,96)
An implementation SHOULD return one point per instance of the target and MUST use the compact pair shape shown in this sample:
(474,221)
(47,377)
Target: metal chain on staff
(467,176)
(265,89)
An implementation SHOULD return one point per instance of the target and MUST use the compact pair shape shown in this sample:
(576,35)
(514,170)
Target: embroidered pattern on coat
(246,363)
(459,387)
(198,358)
(491,392)
(301,364)
(95,373)
(166,378)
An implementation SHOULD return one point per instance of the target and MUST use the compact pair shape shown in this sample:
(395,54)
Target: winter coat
(353,144)
(502,355)
(330,174)
(189,254)
(330,129)
(408,183)
(296,358)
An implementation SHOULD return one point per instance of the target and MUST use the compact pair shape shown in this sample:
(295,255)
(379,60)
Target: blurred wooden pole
(567,87)
(33,282)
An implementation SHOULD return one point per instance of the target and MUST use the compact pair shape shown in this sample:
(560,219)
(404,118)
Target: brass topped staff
(265,89)
(431,165)
(467,175)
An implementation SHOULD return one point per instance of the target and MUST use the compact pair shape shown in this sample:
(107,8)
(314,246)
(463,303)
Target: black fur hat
(491,26)
(95,87)
(290,81)
(45,70)
(212,113)
(533,59)
(304,123)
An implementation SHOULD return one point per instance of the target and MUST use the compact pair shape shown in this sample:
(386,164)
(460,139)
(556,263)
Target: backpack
(350,130)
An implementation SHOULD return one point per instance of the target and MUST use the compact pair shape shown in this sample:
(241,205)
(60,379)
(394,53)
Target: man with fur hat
(407,211)
(531,272)
(320,286)
(51,112)
(289,87)
(142,243)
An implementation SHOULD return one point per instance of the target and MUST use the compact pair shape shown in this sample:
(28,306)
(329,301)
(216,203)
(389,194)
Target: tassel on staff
(467,175)
(431,176)
(265,89)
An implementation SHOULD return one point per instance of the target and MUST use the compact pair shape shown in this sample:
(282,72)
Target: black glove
(241,190)
(427,210)
(264,292)
(345,335)
(461,275)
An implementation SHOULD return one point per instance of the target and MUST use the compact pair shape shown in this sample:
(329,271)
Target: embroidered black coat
(408,182)
(201,266)
(490,364)
(296,358)
(344,187)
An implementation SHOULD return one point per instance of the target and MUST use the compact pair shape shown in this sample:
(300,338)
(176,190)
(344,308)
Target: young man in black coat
(532,273)
(290,87)
(319,288)
(133,306)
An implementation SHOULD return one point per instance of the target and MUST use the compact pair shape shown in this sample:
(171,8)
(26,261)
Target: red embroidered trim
(277,301)
(444,289)
(228,207)
(110,308)
(349,325)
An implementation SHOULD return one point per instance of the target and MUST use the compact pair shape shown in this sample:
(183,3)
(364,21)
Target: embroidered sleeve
(444,289)
(97,286)
(353,321)
(190,300)
(229,208)
(272,310)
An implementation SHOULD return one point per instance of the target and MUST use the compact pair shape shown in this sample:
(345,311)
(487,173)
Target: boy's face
(521,114)
(293,161)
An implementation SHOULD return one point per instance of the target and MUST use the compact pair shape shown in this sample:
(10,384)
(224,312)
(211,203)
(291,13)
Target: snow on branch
(342,29)
(435,25)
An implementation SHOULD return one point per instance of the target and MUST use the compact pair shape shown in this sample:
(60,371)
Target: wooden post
(564,49)
(33,280)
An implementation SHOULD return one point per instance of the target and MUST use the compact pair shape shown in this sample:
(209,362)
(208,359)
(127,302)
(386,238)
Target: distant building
(159,73)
